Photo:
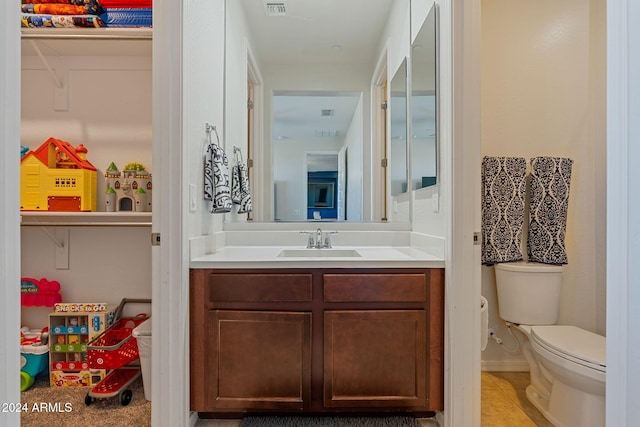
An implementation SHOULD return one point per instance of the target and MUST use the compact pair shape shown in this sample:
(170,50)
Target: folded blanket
(127,17)
(550,181)
(60,7)
(60,21)
(502,210)
(126,3)
(54,9)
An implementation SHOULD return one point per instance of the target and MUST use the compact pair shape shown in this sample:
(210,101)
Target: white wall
(397,35)
(354,142)
(203,102)
(543,94)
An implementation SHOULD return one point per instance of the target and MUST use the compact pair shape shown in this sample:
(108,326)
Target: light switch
(193,198)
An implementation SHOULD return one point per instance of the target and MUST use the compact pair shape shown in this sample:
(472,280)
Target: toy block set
(71,327)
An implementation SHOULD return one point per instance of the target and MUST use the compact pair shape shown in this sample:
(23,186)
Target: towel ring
(237,154)
(208,129)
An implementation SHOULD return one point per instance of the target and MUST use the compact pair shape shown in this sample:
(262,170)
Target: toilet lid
(572,342)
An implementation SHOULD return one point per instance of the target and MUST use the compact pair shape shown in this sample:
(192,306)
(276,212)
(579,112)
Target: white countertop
(267,257)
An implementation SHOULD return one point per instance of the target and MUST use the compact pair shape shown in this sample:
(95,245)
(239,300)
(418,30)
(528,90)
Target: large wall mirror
(424,103)
(308,67)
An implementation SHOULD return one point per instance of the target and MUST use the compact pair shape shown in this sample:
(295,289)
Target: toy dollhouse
(57,177)
(129,190)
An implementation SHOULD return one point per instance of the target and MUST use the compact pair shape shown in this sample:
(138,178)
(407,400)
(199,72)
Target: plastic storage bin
(142,333)
(33,361)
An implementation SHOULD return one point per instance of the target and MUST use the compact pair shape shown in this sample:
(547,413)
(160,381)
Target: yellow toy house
(57,177)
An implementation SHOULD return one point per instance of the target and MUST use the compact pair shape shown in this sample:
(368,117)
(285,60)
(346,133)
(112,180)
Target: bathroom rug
(328,421)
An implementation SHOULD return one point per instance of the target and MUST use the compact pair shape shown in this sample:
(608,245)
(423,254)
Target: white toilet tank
(528,293)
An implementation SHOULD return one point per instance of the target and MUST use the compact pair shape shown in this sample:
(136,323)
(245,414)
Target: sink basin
(319,253)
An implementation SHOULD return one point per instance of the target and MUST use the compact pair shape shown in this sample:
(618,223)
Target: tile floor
(505,404)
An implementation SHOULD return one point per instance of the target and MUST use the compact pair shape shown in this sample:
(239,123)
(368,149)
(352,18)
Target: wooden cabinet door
(259,359)
(375,358)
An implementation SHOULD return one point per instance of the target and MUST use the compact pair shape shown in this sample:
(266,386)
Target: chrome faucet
(317,242)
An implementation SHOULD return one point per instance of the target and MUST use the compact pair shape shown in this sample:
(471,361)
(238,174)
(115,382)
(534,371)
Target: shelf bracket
(61,91)
(61,240)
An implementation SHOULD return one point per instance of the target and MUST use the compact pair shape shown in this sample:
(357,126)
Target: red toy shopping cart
(115,350)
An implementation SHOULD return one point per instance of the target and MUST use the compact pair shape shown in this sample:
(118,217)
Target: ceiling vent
(326,133)
(326,112)
(275,8)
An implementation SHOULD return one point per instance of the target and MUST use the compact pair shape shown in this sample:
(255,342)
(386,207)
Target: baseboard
(193,419)
(504,365)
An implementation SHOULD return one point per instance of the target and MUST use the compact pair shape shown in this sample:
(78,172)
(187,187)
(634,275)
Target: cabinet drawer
(375,287)
(260,287)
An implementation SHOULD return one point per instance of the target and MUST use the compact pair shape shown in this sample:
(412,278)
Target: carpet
(328,421)
(64,406)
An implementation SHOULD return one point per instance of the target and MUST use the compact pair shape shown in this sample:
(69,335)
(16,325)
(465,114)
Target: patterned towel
(550,179)
(503,192)
(216,178)
(240,193)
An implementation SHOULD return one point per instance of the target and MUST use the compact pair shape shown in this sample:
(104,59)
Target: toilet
(567,364)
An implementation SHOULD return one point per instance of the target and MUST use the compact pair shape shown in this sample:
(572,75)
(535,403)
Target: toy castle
(129,190)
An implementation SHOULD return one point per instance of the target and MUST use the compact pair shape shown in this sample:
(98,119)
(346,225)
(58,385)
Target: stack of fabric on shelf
(87,13)
(127,13)
(62,13)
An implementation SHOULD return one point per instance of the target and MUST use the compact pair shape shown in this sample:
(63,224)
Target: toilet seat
(574,344)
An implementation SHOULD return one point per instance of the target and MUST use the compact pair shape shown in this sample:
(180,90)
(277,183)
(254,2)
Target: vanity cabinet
(316,340)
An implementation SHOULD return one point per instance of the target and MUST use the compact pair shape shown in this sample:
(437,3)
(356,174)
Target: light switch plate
(435,202)
(193,198)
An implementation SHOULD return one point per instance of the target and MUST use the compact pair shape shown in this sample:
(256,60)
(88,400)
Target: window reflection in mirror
(398,130)
(424,147)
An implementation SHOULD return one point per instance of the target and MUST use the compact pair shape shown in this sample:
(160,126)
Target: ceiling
(316,32)
(311,30)
(305,116)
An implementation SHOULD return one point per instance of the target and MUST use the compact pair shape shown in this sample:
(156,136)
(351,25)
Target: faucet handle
(310,240)
(327,240)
